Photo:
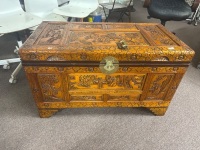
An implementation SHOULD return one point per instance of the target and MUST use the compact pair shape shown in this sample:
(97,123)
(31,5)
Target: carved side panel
(51,86)
(174,86)
(35,87)
(157,86)
(101,81)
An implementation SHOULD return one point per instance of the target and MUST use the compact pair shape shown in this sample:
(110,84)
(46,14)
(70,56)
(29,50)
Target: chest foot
(158,111)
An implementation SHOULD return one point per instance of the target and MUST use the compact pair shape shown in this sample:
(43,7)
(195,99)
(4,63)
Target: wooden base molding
(46,113)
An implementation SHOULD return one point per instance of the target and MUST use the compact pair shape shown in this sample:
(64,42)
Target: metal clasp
(122,44)
(109,65)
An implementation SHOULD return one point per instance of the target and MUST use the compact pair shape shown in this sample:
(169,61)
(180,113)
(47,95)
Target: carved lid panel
(51,36)
(94,41)
(105,38)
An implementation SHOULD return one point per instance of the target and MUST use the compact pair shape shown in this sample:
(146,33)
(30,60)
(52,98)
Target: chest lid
(63,41)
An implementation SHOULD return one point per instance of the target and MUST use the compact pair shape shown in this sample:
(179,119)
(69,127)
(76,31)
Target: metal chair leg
(195,16)
(108,16)
(121,15)
(13,78)
(129,16)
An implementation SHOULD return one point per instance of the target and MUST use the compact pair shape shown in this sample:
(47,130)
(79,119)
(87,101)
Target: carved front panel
(101,81)
(106,38)
(51,86)
(158,86)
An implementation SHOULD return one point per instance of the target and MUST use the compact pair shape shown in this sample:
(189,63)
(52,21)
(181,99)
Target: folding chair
(77,8)
(12,20)
(43,9)
(122,8)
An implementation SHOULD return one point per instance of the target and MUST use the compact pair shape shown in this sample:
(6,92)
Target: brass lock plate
(109,65)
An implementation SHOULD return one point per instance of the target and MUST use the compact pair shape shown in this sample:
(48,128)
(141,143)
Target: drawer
(123,95)
(128,81)
(104,95)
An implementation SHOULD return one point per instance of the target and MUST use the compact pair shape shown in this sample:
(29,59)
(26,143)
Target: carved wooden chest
(71,65)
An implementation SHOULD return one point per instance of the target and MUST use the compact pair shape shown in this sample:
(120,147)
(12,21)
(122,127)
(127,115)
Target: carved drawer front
(103,95)
(101,81)
(132,96)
